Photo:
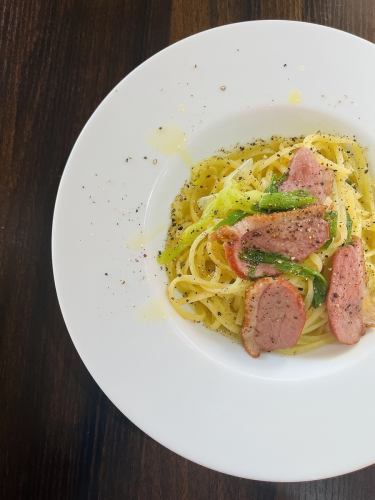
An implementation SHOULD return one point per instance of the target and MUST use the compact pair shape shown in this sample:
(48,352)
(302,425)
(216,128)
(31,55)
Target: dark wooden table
(60,437)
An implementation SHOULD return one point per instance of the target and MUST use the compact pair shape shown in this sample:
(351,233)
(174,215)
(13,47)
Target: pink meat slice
(346,292)
(306,173)
(295,234)
(274,316)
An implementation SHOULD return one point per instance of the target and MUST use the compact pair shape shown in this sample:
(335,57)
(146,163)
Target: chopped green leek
(187,238)
(273,187)
(278,202)
(331,218)
(349,227)
(232,218)
(275,183)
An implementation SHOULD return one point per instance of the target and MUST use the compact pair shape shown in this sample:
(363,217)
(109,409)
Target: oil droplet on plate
(141,239)
(152,310)
(294,97)
(170,140)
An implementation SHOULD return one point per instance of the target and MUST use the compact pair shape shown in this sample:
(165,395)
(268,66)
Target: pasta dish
(273,244)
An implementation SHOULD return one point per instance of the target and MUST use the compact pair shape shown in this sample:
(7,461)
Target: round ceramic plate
(274,418)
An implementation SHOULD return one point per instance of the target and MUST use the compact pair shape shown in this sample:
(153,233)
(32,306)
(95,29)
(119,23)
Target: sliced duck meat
(346,292)
(295,234)
(306,173)
(274,316)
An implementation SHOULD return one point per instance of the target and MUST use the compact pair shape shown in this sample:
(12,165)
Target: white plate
(275,418)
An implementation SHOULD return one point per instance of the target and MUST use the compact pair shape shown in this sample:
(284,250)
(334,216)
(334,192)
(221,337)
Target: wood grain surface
(60,437)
